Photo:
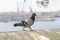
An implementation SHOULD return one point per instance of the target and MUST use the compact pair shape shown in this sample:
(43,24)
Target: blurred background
(12,11)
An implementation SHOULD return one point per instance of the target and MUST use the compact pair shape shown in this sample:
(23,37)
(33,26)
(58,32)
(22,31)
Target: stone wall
(31,35)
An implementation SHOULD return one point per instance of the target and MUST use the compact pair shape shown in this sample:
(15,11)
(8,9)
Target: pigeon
(27,23)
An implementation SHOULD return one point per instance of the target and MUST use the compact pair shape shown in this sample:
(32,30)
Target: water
(38,25)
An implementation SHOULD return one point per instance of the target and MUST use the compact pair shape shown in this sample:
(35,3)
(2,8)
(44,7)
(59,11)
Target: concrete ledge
(31,35)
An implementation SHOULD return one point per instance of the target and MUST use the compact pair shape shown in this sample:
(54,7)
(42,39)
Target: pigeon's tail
(17,24)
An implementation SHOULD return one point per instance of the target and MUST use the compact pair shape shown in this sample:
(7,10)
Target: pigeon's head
(34,14)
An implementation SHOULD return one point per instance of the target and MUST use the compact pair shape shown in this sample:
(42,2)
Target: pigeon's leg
(30,28)
(23,28)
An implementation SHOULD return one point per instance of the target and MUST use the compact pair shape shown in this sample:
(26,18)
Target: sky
(8,5)
(11,5)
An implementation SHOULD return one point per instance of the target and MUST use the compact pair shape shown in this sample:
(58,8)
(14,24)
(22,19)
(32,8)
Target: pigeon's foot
(31,29)
(24,29)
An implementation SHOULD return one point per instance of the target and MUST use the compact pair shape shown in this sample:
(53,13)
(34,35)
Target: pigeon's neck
(33,18)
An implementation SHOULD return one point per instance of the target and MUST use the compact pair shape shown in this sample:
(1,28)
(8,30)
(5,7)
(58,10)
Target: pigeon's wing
(24,23)
(29,22)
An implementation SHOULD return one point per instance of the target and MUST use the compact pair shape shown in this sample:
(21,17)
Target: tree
(44,3)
